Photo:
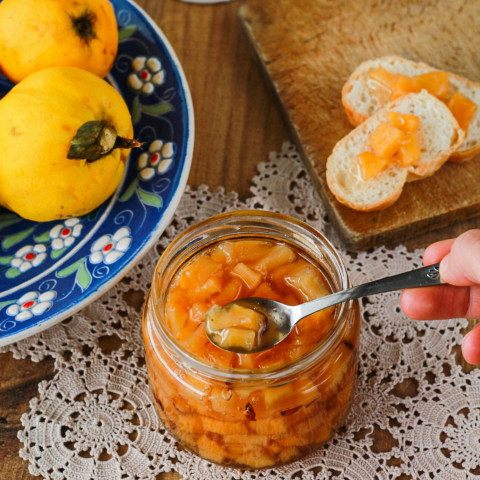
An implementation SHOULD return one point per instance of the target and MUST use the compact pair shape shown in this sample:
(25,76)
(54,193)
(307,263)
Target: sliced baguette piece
(361,100)
(439,135)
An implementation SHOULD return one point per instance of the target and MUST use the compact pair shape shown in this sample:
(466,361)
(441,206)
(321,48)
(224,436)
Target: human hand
(460,268)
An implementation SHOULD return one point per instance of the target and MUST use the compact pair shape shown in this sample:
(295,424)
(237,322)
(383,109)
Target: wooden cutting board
(307,50)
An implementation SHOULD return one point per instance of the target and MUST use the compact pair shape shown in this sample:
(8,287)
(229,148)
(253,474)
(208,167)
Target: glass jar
(251,418)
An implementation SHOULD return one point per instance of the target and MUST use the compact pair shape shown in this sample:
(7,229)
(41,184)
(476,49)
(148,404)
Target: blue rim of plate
(49,271)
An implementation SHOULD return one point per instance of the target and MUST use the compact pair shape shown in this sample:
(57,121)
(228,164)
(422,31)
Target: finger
(441,302)
(435,252)
(461,267)
(471,346)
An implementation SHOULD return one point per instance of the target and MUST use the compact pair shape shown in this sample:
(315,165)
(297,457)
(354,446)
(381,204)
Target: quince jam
(249,410)
(394,141)
(436,83)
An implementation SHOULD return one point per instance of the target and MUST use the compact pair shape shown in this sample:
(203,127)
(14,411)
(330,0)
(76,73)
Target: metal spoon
(281,318)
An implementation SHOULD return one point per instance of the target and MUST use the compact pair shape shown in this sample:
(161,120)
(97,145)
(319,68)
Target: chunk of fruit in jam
(276,256)
(370,165)
(236,338)
(409,152)
(237,269)
(385,140)
(251,278)
(462,109)
(235,316)
(198,272)
(436,83)
(230,292)
(403,121)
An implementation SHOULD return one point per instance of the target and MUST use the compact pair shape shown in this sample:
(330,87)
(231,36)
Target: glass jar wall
(272,412)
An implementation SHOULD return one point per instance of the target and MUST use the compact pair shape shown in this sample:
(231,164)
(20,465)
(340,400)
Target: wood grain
(307,50)
(236,123)
(228,93)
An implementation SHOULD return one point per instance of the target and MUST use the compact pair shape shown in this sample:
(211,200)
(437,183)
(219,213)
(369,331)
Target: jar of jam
(261,409)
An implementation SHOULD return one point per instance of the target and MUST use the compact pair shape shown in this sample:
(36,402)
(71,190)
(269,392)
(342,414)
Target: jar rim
(196,238)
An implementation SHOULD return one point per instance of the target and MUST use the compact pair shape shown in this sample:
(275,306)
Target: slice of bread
(361,100)
(439,135)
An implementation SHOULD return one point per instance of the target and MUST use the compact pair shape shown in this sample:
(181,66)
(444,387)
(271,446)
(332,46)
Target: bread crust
(412,174)
(460,156)
(356,118)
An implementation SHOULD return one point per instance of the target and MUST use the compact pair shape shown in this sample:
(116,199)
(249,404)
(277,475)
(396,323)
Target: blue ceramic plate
(48,271)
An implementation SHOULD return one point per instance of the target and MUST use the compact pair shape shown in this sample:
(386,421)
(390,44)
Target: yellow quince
(64,134)
(37,34)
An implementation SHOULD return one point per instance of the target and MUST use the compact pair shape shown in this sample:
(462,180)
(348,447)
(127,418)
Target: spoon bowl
(281,318)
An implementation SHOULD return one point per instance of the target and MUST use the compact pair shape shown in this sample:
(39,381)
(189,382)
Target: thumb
(461,267)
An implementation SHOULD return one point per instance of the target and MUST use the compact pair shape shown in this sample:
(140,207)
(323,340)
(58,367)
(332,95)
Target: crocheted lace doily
(95,418)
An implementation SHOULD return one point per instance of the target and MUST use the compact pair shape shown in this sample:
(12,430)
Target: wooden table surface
(237,125)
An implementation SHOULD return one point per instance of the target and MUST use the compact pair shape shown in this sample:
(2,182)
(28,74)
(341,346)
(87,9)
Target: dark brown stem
(122,142)
(95,140)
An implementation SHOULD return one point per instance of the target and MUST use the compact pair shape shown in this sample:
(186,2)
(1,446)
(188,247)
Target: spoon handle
(422,277)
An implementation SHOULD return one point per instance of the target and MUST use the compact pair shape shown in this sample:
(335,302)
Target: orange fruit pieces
(409,152)
(336,368)
(385,140)
(274,258)
(274,396)
(318,324)
(264,290)
(224,253)
(396,83)
(277,276)
(403,121)
(224,428)
(198,272)
(235,326)
(251,278)
(238,449)
(250,250)
(190,422)
(176,312)
(198,340)
(210,287)
(370,165)
(230,292)
(383,77)
(462,109)
(218,357)
(197,312)
(210,449)
(187,331)
(222,399)
(306,390)
(247,361)
(236,338)
(435,83)
(289,453)
(235,316)
(256,459)
(269,426)
(307,286)
(290,299)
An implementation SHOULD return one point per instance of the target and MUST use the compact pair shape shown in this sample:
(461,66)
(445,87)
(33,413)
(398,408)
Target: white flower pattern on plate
(159,159)
(109,248)
(31,304)
(148,75)
(64,234)
(28,257)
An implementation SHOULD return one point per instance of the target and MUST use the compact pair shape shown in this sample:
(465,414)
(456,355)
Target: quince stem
(95,140)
